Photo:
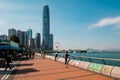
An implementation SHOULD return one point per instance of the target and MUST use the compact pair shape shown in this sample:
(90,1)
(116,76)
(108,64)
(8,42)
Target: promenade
(45,69)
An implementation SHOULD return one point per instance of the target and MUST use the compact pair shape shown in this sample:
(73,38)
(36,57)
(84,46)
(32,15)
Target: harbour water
(110,55)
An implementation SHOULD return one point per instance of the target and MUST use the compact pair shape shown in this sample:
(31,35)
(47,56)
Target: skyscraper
(20,36)
(46,28)
(29,35)
(37,40)
(32,43)
(25,40)
(11,32)
(51,42)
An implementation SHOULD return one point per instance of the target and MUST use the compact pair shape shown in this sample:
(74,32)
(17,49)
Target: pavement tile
(45,69)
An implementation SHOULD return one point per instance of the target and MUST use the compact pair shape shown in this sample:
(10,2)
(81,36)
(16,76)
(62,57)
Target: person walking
(33,54)
(30,54)
(56,55)
(66,58)
(8,59)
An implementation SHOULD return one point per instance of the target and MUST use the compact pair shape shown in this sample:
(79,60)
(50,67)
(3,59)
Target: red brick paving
(44,69)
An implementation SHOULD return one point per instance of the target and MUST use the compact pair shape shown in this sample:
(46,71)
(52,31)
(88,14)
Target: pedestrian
(66,58)
(56,55)
(33,54)
(8,59)
(30,53)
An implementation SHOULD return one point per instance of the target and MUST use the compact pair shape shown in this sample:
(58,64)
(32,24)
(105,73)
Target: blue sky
(75,24)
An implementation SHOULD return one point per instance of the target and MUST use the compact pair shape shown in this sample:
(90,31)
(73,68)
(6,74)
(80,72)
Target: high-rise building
(32,43)
(29,35)
(37,41)
(25,40)
(46,28)
(20,36)
(51,42)
(11,32)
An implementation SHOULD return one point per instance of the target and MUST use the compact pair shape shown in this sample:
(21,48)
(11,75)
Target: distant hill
(113,50)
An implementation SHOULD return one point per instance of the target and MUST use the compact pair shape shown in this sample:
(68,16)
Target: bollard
(43,56)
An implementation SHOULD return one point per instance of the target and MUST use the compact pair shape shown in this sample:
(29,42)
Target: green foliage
(15,39)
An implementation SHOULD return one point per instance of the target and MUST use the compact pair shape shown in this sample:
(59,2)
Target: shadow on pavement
(2,72)
(49,73)
(24,71)
(25,64)
(24,58)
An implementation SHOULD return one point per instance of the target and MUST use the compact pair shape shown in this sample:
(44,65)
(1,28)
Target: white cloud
(106,22)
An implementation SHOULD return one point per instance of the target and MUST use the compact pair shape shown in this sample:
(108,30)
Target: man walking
(66,58)
(56,55)
(8,58)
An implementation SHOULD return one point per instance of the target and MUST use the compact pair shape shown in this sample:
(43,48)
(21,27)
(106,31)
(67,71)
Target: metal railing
(94,58)
(105,61)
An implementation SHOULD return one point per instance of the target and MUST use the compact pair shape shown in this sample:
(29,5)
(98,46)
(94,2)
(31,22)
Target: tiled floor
(44,69)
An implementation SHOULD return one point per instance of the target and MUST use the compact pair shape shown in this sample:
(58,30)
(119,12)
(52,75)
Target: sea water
(110,55)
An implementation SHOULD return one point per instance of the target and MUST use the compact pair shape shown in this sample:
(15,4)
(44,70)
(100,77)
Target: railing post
(73,57)
(90,59)
(80,58)
(104,61)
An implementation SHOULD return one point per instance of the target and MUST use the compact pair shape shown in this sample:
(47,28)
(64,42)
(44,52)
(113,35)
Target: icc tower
(46,28)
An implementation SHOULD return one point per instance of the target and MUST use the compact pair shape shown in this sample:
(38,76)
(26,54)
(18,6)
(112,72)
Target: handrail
(98,58)
(102,59)
(91,58)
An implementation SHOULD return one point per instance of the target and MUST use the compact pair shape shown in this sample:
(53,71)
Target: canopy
(9,47)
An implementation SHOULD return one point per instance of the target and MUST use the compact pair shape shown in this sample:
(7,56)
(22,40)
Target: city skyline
(78,24)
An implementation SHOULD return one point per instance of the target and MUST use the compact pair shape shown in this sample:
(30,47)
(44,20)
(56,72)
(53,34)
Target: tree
(15,39)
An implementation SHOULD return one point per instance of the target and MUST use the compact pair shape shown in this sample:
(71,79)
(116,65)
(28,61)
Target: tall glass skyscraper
(25,40)
(51,42)
(37,40)
(29,33)
(29,36)
(46,28)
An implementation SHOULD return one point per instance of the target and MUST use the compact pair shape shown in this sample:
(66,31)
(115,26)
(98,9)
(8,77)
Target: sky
(75,24)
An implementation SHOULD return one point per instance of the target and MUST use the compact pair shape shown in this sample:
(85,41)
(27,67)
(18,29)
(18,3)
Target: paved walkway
(45,69)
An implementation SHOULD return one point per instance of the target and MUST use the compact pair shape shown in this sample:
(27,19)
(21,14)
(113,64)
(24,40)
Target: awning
(9,47)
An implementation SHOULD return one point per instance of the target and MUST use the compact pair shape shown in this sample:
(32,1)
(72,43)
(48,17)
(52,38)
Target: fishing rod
(93,44)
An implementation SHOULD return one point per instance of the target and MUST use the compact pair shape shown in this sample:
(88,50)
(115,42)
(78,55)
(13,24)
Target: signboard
(94,66)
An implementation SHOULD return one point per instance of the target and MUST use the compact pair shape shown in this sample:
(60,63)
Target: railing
(94,58)
(106,61)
